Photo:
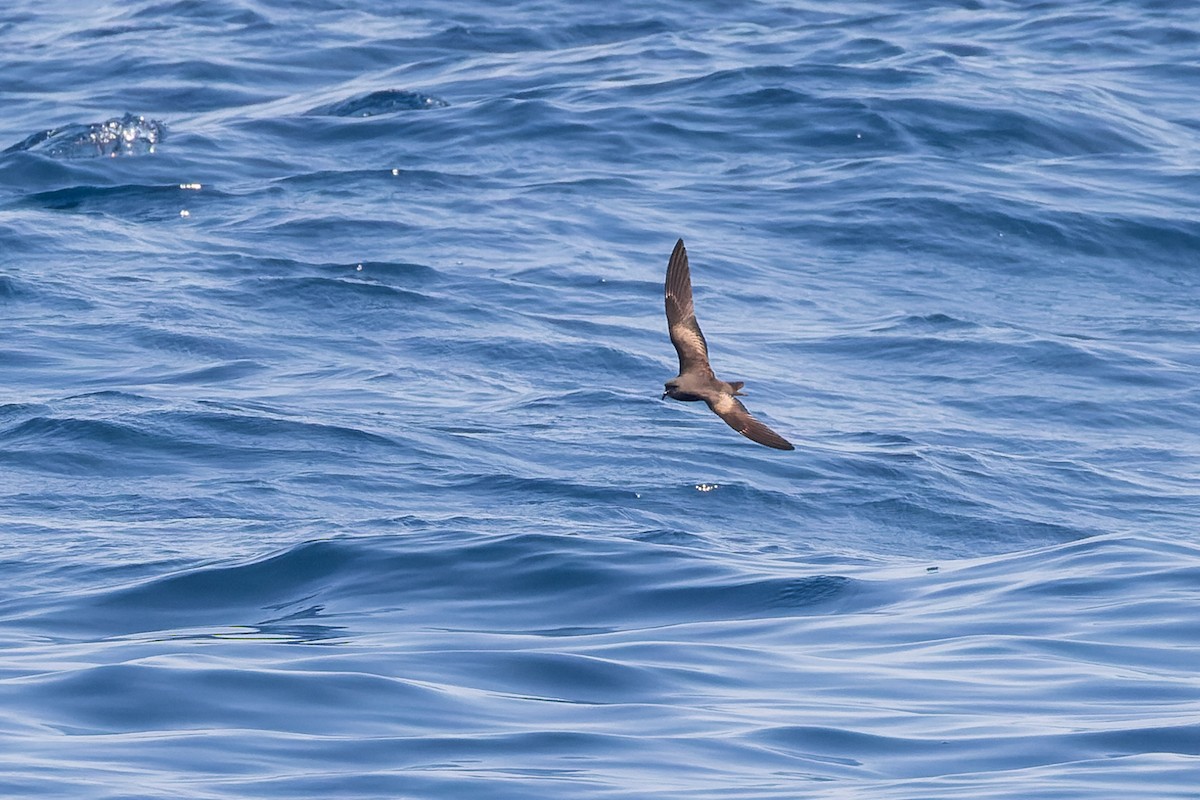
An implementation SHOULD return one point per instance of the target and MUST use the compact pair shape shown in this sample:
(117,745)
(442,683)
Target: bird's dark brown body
(696,381)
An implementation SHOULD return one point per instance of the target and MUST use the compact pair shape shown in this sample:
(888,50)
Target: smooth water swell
(644,657)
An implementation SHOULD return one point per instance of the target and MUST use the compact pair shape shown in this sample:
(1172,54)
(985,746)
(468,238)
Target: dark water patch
(127,31)
(215,373)
(219,15)
(260,427)
(549,583)
(1127,237)
(149,696)
(140,442)
(386,101)
(1098,362)
(958,519)
(892,464)
(107,400)
(388,270)
(608,32)
(584,187)
(584,679)
(195,345)
(135,201)
(676,538)
(12,289)
(489,39)
(12,411)
(888,440)
(962,126)
(211,596)
(80,447)
(966,49)
(929,322)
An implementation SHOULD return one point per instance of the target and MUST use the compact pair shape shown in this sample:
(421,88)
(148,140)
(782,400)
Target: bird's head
(669,389)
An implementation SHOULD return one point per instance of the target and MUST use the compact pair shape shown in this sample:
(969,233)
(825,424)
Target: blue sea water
(332,455)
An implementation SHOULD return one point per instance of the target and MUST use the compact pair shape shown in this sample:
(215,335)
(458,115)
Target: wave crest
(130,135)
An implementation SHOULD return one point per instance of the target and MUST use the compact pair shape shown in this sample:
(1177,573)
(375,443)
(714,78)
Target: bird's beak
(664,397)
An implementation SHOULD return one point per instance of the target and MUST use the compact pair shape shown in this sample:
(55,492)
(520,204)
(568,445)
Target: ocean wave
(333,455)
(858,671)
(373,104)
(130,135)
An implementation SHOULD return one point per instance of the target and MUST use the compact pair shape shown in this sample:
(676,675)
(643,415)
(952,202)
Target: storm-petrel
(696,380)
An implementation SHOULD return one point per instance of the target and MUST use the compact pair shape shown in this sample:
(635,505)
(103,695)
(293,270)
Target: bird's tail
(736,386)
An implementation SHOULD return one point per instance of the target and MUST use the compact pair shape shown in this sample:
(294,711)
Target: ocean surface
(333,462)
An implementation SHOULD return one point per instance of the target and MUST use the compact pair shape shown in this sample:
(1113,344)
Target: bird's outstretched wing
(730,409)
(681,315)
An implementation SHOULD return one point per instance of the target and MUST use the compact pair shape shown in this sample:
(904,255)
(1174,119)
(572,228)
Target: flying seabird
(696,380)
